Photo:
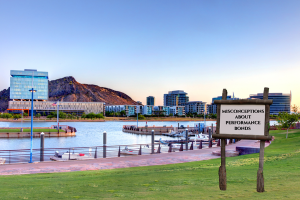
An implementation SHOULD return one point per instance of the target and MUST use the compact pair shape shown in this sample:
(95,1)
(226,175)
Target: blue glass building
(212,108)
(281,102)
(175,98)
(150,101)
(21,82)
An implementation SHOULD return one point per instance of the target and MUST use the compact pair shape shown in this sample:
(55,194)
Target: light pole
(137,117)
(31,131)
(204,123)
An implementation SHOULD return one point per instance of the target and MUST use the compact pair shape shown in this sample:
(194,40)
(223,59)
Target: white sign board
(242,119)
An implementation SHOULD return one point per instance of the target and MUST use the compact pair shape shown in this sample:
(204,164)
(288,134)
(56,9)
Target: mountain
(67,89)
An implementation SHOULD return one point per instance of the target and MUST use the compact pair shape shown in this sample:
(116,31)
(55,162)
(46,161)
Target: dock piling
(95,153)
(186,139)
(119,152)
(140,151)
(42,147)
(158,150)
(200,145)
(152,142)
(181,147)
(104,144)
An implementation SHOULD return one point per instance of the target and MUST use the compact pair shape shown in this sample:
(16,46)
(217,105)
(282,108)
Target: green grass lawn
(28,130)
(194,180)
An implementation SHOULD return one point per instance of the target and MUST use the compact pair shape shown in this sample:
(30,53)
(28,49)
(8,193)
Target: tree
(69,116)
(286,120)
(91,115)
(25,114)
(83,115)
(295,109)
(17,116)
(62,115)
(99,116)
(50,117)
(141,117)
(7,115)
(73,115)
(107,113)
(38,115)
(123,113)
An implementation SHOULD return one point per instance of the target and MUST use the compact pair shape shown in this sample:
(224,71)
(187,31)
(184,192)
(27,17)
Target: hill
(67,89)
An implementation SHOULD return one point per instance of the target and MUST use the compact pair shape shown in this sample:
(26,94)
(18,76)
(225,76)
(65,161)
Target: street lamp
(137,117)
(31,132)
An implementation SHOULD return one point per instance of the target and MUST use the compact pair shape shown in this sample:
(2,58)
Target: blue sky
(150,47)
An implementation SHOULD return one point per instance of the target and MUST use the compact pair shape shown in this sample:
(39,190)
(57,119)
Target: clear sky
(149,47)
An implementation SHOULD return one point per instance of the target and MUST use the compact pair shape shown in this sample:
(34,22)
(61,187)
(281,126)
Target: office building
(150,101)
(49,106)
(198,107)
(115,108)
(179,110)
(175,98)
(212,108)
(22,81)
(129,109)
(281,102)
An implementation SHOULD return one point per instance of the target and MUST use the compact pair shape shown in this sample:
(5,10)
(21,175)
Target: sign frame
(262,138)
(264,102)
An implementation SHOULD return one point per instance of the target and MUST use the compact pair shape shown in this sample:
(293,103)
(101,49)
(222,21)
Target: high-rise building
(150,101)
(175,98)
(22,81)
(212,108)
(281,102)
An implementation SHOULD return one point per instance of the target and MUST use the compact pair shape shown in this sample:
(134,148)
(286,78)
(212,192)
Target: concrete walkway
(122,162)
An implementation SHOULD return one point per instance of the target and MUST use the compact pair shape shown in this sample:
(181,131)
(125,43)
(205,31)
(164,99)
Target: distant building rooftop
(177,92)
(271,94)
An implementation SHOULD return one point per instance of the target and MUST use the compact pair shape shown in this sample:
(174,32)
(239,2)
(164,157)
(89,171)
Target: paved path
(122,162)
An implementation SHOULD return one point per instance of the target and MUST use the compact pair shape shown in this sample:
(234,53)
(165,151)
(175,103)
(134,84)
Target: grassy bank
(194,180)
(28,130)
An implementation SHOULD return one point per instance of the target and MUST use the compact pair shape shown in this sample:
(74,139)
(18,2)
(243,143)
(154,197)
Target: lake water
(88,134)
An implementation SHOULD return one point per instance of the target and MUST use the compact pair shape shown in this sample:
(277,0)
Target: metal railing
(94,152)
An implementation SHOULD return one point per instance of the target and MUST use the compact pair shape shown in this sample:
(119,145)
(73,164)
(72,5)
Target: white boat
(181,134)
(200,137)
(2,161)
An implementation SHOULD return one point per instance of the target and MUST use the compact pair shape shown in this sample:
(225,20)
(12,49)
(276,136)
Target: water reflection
(88,134)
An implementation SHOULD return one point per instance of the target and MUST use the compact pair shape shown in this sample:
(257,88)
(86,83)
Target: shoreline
(114,119)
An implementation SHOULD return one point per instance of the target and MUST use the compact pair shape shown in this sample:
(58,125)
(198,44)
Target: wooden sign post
(243,119)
